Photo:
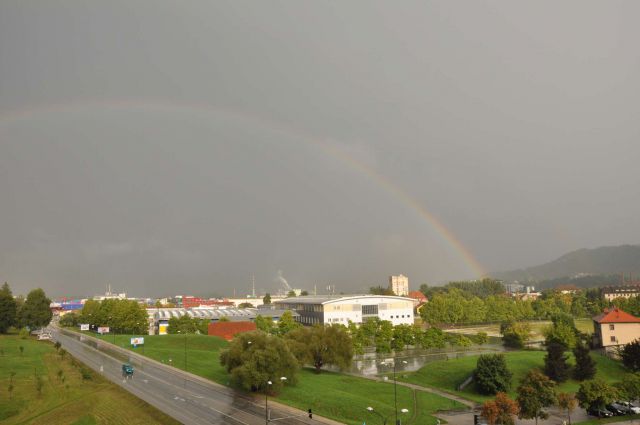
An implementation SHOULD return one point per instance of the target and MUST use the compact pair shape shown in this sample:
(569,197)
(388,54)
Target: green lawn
(65,398)
(203,352)
(448,374)
(333,395)
(346,398)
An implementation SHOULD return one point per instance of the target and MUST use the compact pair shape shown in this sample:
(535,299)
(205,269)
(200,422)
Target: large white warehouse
(344,308)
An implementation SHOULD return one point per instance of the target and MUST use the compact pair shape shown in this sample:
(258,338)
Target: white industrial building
(342,309)
(159,317)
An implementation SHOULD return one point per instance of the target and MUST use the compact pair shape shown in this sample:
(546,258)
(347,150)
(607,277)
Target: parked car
(630,406)
(599,412)
(617,409)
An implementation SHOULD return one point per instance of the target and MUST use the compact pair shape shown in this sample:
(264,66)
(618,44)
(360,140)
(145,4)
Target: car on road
(44,336)
(617,409)
(630,407)
(599,412)
(127,370)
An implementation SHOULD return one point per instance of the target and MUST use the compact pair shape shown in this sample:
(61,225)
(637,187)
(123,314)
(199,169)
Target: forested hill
(604,261)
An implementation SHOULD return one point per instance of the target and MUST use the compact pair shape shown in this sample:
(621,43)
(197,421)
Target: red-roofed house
(615,327)
(418,298)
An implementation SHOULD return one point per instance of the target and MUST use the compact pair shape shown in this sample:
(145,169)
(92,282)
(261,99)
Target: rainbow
(327,148)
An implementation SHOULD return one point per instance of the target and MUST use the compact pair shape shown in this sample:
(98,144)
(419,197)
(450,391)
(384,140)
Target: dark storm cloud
(166,148)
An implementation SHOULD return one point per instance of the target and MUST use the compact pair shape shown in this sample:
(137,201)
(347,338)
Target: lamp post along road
(266,398)
(384,419)
(395,390)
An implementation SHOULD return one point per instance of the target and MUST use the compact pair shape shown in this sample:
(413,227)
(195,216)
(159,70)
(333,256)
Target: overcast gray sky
(179,147)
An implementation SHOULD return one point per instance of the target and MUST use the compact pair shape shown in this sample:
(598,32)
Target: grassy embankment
(65,397)
(340,397)
(448,374)
(537,328)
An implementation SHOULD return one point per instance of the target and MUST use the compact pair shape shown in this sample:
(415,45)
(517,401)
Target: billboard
(137,341)
(162,328)
(84,326)
(103,329)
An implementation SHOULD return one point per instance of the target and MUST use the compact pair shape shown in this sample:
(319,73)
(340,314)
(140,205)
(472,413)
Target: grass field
(203,352)
(346,398)
(333,395)
(65,398)
(448,374)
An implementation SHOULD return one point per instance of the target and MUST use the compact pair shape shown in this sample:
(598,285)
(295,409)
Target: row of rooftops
(621,289)
(326,299)
(233,314)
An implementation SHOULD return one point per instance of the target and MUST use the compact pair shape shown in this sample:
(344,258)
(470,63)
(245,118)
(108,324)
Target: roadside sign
(137,341)
(84,327)
(103,329)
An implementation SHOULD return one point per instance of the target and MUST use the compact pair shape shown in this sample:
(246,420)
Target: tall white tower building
(399,285)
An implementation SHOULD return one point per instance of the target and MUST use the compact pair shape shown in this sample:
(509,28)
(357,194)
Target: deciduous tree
(36,311)
(321,345)
(255,358)
(535,392)
(568,402)
(500,410)
(630,355)
(596,393)
(286,323)
(8,309)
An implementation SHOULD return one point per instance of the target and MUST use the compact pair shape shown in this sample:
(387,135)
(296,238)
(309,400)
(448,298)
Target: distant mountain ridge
(606,260)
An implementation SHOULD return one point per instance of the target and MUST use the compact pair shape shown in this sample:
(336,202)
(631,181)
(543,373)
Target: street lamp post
(384,419)
(266,398)
(395,389)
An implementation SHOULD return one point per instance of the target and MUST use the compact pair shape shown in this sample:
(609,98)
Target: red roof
(417,295)
(228,330)
(615,315)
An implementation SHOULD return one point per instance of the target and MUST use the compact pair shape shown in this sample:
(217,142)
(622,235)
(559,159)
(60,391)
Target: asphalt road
(185,397)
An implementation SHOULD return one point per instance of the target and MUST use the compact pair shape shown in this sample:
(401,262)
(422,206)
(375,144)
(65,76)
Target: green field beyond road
(448,374)
(65,397)
(340,397)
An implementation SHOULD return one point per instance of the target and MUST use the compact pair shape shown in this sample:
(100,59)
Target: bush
(69,320)
(24,333)
(481,338)
(515,334)
(491,374)
(86,373)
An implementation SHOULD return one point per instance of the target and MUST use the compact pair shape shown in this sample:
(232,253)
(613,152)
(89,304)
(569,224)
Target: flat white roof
(327,299)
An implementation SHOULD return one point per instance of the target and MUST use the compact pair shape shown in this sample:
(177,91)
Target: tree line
(123,316)
(456,305)
(17,312)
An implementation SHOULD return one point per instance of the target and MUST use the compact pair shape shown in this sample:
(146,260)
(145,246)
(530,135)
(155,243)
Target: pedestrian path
(441,393)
